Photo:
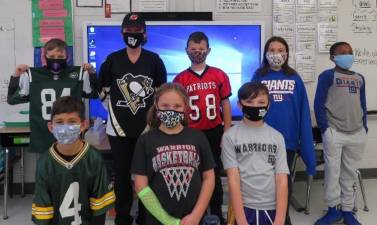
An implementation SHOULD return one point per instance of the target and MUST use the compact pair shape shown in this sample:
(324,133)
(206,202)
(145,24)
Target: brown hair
(265,66)
(68,104)
(252,90)
(55,43)
(152,120)
(197,37)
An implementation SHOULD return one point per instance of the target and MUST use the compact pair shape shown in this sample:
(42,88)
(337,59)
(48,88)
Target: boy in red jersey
(209,91)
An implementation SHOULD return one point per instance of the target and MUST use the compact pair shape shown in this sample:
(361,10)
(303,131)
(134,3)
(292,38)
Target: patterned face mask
(170,118)
(66,133)
(276,59)
(197,57)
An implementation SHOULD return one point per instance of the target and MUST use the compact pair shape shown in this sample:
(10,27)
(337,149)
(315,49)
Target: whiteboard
(7,66)
(358,25)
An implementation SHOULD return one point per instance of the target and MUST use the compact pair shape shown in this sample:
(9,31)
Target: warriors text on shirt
(255,147)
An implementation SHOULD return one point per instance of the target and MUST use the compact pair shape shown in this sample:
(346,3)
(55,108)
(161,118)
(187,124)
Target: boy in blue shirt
(340,108)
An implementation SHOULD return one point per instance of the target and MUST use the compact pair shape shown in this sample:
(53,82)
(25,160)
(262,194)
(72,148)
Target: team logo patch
(135,90)
(74,75)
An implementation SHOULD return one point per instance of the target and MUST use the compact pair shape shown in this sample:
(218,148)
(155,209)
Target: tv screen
(236,48)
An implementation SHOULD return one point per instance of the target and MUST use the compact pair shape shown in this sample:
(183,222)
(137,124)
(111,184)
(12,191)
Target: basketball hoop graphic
(177,180)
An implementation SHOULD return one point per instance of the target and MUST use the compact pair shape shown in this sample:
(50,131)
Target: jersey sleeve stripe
(42,209)
(42,213)
(43,217)
(81,73)
(100,203)
(29,74)
(114,122)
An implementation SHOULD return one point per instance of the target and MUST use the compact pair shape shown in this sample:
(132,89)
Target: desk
(13,137)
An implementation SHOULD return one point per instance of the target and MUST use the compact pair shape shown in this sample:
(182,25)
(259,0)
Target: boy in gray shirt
(254,156)
(340,108)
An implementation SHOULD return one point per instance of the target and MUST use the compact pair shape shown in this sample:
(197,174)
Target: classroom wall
(20,12)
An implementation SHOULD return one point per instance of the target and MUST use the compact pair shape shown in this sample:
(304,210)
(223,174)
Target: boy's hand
(88,67)
(190,219)
(20,69)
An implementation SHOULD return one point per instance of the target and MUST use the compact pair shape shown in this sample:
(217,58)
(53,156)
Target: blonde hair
(152,120)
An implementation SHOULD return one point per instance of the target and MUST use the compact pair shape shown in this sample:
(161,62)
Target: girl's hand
(88,67)
(20,69)
(190,219)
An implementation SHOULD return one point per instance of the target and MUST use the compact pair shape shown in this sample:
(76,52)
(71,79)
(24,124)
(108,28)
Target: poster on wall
(8,113)
(51,19)
(284,25)
(118,6)
(239,6)
(152,5)
(306,34)
(327,24)
(89,3)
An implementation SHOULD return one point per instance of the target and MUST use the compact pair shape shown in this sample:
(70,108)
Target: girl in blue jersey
(289,108)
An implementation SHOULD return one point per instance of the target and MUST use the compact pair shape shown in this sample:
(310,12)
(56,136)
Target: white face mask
(276,59)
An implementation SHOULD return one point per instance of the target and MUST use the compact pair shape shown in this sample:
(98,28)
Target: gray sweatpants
(341,151)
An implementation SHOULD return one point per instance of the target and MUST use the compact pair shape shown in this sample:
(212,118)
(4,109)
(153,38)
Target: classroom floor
(19,208)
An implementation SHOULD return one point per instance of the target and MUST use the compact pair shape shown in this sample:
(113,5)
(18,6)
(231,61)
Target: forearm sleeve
(151,203)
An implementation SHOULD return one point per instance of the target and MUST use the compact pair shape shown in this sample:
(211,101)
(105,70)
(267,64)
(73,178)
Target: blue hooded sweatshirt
(289,113)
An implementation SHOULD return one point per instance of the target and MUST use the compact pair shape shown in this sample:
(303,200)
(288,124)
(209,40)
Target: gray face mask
(66,133)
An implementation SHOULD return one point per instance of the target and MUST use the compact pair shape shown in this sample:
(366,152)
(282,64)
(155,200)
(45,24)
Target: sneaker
(349,218)
(332,216)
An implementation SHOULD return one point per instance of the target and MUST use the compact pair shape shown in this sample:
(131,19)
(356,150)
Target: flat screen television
(236,48)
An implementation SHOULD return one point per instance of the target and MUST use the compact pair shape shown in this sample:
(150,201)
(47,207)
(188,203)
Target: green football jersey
(45,88)
(71,193)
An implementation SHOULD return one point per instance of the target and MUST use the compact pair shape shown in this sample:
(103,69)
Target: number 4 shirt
(41,88)
(71,192)
(206,91)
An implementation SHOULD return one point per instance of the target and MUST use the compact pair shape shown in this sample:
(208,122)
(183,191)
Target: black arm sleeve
(13,97)
(94,82)
(98,220)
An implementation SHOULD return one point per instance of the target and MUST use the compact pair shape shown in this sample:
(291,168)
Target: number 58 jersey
(206,91)
(44,89)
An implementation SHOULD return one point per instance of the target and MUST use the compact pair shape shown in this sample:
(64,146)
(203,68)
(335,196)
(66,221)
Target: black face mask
(133,40)
(56,65)
(254,113)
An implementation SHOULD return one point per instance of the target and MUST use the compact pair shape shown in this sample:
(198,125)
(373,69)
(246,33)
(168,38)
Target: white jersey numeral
(48,97)
(210,107)
(72,195)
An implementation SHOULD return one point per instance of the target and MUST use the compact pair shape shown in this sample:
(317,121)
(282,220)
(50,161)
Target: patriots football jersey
(206,91)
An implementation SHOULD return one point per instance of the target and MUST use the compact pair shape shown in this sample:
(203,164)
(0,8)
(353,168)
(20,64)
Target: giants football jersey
(206,91)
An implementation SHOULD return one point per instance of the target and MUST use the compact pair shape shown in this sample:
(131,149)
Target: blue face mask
(66,133)
(344,61)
